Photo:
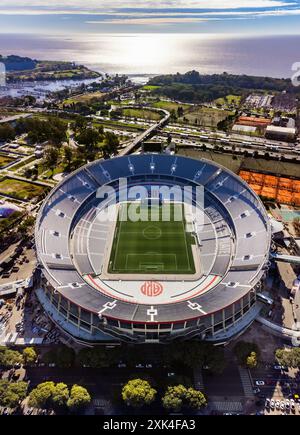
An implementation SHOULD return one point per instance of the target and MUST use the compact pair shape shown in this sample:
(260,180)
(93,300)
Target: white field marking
(108,306)
(152,253)
(152,312)
(195,306)
(186,248)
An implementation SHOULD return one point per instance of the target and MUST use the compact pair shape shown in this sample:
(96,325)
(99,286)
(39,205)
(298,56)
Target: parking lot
(277,389)
(19,266)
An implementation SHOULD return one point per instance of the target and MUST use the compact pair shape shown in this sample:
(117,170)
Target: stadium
(123,257)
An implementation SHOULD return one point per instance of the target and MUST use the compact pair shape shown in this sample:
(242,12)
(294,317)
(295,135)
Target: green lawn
(171,105)
(22,163)
(142,113)
(206,116)
(5,160)
(229,99)
(20,189)
(150,88)
(154,245)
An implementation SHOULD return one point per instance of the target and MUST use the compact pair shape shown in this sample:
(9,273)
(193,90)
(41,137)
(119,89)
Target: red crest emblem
(152,288)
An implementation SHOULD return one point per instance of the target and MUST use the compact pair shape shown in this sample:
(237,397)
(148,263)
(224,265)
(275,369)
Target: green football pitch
(156,245)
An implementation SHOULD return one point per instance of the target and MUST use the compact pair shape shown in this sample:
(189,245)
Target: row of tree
(49,395)
(197,88)
(52,129)
(10,358)
(233,80)
(138,393)
(190,354)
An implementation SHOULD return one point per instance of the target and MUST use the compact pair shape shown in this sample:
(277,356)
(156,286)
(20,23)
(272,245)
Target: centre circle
(152,232)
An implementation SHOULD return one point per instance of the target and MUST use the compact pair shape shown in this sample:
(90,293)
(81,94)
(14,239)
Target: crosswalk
(246,382)
(228,406)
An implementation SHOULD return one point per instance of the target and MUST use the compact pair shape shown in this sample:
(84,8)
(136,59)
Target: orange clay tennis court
(283,190)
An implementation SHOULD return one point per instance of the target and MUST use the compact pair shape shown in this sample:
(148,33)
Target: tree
(179,396)
(52,130)
(80,123)
(243,350)
(7,132)
(29,355)
(26,225)
(96,357)
(40,397)
(12,393)
(60,395)
(137,393)
(196,354)
(180,112)
(89,137)
(51,157)
(251,361)
(288,357)
(79,398)
(50,357)
(173,398)
(65,356)
(111,143)
(195,399)
(9,358)
(68,155)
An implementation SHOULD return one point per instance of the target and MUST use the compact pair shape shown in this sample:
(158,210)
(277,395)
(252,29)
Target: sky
(209,17)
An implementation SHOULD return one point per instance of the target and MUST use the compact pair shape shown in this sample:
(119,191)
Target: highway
(146,134)
(231,143)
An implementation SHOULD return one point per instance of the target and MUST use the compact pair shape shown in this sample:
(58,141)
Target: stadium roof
(235,241)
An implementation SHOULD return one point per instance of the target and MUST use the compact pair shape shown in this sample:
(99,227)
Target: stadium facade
(231,245)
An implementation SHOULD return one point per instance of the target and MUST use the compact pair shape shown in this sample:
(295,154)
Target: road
(146,134)
(227,384)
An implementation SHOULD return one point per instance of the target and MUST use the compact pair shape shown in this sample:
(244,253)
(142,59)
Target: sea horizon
(145,55)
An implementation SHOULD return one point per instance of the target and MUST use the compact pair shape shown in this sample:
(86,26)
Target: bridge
(292,259)
(146,134)
(280,331)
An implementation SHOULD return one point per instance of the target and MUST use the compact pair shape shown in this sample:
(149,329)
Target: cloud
(100,6)
(149,13)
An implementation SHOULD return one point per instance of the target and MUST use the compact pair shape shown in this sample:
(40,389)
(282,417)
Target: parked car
(259,383)
(6,275)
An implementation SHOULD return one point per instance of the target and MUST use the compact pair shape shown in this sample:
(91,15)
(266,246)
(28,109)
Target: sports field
(155,246)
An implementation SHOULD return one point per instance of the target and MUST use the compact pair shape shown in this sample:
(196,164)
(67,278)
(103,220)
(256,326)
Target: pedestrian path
(246,382)
(198,379)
